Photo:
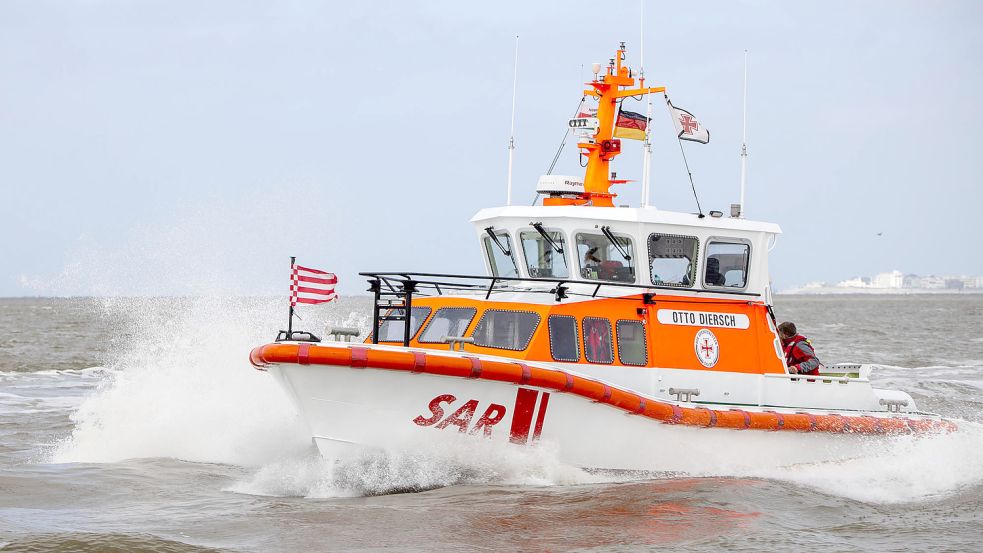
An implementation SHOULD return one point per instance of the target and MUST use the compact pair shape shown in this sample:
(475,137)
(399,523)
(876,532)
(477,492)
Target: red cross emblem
(688,123)
(707,348)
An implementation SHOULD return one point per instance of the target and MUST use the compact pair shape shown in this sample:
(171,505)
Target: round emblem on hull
(707,348)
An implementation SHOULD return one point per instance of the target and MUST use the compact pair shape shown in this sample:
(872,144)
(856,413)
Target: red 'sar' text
(462,416)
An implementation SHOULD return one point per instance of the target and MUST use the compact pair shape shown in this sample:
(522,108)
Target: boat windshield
(671,259)
(544,259)
(604,259)
(498,248)
(447,321)
(392,331)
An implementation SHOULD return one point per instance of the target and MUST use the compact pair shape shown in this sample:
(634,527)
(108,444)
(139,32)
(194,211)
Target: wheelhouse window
(631,343)
(564,342)
(672,259)
(545,253)
(447,321)
(727,264)
(605,256)
(503,329)
(392,331)
(498,248)
(597,340)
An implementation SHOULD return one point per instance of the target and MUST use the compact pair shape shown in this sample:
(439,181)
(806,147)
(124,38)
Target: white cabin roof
(627,215)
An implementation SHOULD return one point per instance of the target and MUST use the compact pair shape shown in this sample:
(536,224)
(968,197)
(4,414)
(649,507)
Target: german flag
(630,125)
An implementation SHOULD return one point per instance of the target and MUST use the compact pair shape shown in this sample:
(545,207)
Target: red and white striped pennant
(311,286)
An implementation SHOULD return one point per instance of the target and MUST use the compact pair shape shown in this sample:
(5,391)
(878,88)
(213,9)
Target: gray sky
(190,147)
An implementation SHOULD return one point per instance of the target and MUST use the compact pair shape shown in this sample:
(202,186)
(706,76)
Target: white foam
(183,388)
(180,384)
(90,372)
(897,470)
(421,468)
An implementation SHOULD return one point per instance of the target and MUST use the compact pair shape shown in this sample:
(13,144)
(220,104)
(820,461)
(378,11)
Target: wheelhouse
(624,245)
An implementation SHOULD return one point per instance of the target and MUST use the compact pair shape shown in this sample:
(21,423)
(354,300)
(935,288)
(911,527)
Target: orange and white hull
(358,397)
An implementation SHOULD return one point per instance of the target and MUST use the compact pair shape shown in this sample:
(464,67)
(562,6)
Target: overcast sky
(190,147)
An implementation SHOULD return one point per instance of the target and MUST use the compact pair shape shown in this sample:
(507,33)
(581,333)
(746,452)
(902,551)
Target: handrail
(814,377)
(410,276)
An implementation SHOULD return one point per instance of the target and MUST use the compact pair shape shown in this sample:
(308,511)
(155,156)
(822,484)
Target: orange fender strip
(524,375)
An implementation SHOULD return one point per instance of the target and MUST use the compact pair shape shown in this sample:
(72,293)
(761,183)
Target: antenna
(515,78)
(647,145)
(744,144)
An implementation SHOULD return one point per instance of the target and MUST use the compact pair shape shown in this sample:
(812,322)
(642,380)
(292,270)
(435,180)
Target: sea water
(138,424)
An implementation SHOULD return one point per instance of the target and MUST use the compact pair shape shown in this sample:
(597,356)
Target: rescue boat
(618,335)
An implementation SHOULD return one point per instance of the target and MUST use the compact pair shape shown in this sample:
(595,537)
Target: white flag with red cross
(687,126)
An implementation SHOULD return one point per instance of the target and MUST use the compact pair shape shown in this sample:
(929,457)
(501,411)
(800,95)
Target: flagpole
(744,141)
(647,146)
(290,320)
(515,78)
(692,185)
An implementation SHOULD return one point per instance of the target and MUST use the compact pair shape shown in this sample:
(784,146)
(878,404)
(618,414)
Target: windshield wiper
(546,236)
(494,237)
(614,241)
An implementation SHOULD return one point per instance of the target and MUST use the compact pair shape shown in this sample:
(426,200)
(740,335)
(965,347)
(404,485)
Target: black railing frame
(408,283)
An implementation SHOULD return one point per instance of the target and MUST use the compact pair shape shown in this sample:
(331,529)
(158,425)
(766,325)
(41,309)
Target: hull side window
(501,264)
(727,264)
(503,329)
(597,341)
(600,259)
(672,259)
(631,343)
(392,331)
(564,342)
(447,321)
(542,258)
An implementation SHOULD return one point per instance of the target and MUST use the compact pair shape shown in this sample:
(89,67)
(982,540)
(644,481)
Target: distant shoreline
(830,291)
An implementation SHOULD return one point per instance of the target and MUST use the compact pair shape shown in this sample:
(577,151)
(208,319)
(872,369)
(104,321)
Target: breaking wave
(897,470)
(424,468)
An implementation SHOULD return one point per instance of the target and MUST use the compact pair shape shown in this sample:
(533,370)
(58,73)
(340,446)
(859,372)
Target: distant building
(972,282)
(894,279)
(953,284)
(855,282)
(932,282)
(895,282)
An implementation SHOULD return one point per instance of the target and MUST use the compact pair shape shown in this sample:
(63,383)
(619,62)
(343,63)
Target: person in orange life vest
(594,342)
(799,355)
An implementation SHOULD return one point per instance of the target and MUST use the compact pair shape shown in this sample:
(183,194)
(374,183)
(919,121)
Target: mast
(604,147)
(515,79)
(744,142)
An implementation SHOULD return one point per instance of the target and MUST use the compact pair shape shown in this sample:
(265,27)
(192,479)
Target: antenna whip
(515,78)
(744,142)
(560,149)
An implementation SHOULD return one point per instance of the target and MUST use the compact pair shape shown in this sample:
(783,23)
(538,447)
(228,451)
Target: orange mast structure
(604,147)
